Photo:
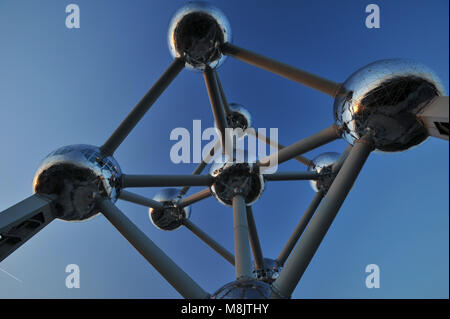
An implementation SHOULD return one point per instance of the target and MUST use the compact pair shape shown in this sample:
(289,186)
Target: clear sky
(61,86)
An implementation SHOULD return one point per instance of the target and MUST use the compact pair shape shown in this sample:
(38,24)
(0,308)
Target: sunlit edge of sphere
(218,165)
(398,63)
(168,195)
(322,160)
(81,163)
(205,7)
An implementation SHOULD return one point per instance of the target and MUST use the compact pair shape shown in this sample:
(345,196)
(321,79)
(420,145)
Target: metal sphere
(171,217)
(248,289)
(239,117)
(196,32)
(232,175)
(382,99)
(270,272)
(323,164)
(76,174)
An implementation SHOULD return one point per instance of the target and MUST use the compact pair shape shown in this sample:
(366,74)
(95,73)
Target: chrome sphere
(270,272)
(76,174)
(232,175)
(196,32)
(239,117)
(382,99)
(323,164)
(171,217)
(248,289)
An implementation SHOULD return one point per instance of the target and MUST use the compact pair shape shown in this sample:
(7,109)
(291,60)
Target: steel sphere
(239,117)
(270,272)
(382,100)
(237,174)
(76,174)
(248,289)
(171,217)
(323,164)
(196,32)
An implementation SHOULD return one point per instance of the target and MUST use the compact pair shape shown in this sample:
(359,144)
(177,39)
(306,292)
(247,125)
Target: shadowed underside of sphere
(249,289)
(323,165)
(270,272)
(230,176)
(196,32)
(76,174)
(239,117)
(171,216)
(382,100)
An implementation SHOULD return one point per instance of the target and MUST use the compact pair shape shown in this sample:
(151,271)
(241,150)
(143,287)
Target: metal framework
(20,222)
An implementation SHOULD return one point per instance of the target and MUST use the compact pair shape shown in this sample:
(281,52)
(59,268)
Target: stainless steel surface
(382,100)
(229,175)
(196,32)
(323,165)
(242,262)
(75,174)
(171,216)
(269,272)
(250,289)
(317,228)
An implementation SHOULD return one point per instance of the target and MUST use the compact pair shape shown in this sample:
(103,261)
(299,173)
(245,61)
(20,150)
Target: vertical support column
(242,261)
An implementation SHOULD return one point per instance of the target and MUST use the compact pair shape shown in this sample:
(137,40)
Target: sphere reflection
(239,117)
(171,217)
(196,32)
(240,173)
(382,100)
(249,289)
(76,174)
(323,164)
(270,272)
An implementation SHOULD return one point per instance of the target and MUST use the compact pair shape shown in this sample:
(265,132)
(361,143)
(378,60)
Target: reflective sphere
(382,99)
(249,289)
(196,32)
(323,164)
(239,117)
(236,174)
(270,272)
(76,174)
(171,217)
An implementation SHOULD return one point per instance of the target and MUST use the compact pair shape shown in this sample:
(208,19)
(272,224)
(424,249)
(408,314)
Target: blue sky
(61,87)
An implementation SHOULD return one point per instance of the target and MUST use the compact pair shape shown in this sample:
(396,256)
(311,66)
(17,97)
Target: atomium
(171,216)
(76,174)
(196,32)
(376,108)
(382,99)
(323,165)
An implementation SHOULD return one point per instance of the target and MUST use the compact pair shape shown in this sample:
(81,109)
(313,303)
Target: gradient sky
(61,87)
